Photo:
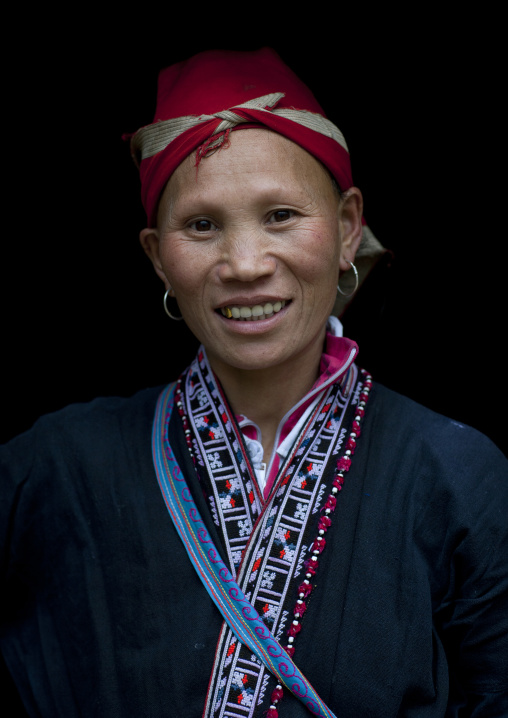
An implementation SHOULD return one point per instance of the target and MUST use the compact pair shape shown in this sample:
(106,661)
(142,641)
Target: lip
(242,300)
(253,327)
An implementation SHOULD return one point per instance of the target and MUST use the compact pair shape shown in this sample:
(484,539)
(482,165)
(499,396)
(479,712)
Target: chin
(251,358)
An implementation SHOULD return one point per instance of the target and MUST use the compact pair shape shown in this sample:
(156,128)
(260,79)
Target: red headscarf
(191,92)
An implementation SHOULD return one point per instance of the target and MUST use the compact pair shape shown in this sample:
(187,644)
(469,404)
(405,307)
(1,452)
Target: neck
(266,395)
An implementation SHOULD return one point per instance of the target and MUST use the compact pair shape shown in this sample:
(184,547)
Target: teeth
(249,314)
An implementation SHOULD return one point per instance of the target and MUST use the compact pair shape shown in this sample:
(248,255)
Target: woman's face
(255,227)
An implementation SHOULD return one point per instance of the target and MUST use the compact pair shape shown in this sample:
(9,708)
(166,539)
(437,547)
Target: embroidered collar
(266,542)
(338,355)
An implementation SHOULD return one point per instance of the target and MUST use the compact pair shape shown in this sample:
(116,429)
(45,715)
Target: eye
(203,225)
(281,215)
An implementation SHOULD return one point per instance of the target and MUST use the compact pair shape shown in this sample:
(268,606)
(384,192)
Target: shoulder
(81,431)
(405,420)
(96,414)
(435,459)
(443,481)
(73,456)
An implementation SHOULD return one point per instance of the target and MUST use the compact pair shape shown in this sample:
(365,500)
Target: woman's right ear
(149,239)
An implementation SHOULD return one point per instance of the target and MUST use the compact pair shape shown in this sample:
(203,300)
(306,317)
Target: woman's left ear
(351,228)
(149,239)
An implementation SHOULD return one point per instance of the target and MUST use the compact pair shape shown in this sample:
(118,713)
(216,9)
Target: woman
(274,534)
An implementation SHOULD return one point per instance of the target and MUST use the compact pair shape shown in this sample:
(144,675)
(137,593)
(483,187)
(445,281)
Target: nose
(246,257)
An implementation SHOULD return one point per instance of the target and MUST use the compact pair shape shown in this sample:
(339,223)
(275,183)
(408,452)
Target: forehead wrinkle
(308,178)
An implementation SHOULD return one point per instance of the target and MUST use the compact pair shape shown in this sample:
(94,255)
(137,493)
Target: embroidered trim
(271,555)
(280,536)
(219,450)
(215,576)
(278,539)
(274,535)
(325,522)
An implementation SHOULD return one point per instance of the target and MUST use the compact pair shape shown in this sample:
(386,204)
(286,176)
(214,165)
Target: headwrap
(200,100)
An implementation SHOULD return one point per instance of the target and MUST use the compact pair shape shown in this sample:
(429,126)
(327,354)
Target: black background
(419,97)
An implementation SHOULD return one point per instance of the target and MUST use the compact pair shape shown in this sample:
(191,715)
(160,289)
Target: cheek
(182,268)
(320,258)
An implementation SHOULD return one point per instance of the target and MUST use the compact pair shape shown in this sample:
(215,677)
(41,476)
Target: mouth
(252,313)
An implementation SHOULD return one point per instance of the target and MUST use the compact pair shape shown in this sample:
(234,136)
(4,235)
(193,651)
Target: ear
(350,222)
(149,239)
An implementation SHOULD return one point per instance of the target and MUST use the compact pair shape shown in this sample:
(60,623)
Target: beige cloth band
(150,140)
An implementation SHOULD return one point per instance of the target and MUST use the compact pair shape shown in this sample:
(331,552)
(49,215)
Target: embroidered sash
(266,542)
(220,584)
(283,529)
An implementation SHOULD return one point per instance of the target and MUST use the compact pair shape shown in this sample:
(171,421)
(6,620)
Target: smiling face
(257,229)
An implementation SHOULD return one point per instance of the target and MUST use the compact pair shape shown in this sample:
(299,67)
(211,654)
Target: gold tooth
(228,313)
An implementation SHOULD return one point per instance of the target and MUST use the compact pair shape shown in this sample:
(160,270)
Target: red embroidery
(324,522)
(311,565)
(343,464)
(295,629)
(300,609)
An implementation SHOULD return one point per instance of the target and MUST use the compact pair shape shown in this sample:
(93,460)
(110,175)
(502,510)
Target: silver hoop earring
(350,294)
(177,319)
